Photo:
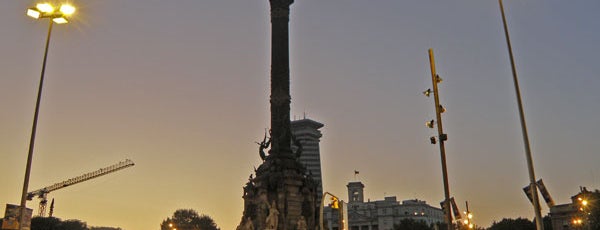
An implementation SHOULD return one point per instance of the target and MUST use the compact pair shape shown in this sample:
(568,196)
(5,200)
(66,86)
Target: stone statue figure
(241,225)
(273,218)
(301,224)
(246,224)
(298,145)
(262,146)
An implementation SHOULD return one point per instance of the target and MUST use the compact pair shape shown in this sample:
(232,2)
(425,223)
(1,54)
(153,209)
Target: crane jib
(41,193)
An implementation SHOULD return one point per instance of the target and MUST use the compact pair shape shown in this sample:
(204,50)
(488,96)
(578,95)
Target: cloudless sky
(182,88)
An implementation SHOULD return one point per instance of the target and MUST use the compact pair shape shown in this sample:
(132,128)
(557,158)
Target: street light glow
(45,10)
(45,7)
(33,13)
(60,20)
(67,9)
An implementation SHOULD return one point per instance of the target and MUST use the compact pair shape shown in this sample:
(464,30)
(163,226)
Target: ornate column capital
(281,3)
(280,8)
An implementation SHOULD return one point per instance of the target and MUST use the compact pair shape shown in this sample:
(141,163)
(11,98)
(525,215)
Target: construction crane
(43,192)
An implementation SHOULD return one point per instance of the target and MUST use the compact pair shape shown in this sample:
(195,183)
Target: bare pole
(33,132)
(442,137)
(532,184)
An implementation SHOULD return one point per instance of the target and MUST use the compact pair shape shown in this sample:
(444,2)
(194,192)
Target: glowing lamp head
(34,13)
(427,92)
(60,20)
(67,9)
(430,124)
(45,7)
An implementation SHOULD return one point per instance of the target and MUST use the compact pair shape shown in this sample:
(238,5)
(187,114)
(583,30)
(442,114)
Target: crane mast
(43,192)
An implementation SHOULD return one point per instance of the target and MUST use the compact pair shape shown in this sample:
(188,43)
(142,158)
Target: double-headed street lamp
(59,16)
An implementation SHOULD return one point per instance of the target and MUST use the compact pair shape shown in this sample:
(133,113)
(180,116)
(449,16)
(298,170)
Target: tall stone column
(281,196)
(280,79)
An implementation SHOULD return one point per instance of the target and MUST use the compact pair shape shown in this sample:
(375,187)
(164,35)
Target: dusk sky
(182,89)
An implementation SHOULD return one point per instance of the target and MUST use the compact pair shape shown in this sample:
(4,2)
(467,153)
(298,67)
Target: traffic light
(335,203)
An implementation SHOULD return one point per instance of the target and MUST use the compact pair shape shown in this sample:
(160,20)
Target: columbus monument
(281,195)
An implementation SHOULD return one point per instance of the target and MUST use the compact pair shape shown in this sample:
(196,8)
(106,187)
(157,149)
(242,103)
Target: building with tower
(574,215)
(306,131)
(355,192)
(380,214)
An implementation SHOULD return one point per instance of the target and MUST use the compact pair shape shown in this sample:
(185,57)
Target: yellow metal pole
(442,138)
(533,185)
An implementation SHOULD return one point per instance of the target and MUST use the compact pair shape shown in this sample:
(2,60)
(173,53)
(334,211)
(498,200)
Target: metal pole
(533,185)
(442,138)
(33,132)
(341,225)
(321,211)
(468,212)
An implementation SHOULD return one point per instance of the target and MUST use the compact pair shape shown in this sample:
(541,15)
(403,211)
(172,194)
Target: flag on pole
(545,193)
(455,209)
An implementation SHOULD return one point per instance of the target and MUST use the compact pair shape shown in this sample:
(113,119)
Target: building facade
(380,214)
(574,215)
(306,131)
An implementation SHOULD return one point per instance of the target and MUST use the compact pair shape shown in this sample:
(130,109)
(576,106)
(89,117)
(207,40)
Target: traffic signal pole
(335,202)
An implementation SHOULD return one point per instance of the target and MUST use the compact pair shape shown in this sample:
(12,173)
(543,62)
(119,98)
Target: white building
(380,214)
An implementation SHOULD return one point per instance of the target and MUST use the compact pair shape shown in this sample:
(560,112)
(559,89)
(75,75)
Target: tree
(513,224)
(45,223)
(73,225)
(412,224)
(188,219)
(53,223)
(104,228)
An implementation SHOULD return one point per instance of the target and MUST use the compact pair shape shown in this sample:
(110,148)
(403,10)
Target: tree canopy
(188,219)
(513,224)
(412,224)
(52,223)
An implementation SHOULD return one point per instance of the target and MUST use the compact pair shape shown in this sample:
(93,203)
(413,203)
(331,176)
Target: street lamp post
(532,184)
(42,10)
(439,109)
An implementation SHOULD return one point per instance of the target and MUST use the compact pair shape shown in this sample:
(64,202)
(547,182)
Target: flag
(529,193)
(527,190)
(455,209)
(545,193)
